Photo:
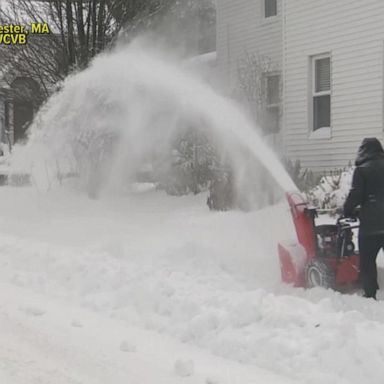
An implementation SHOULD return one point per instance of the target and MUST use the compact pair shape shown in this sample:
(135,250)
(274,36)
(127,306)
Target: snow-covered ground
(149,288)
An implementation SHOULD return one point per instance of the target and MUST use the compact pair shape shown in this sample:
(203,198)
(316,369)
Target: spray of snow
(140,97)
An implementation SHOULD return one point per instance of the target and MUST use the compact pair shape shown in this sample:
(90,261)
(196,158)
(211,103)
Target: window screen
(321,92)
(323,74)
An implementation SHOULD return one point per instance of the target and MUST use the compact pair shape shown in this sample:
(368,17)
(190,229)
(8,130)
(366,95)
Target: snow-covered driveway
(47,342)
(122,290)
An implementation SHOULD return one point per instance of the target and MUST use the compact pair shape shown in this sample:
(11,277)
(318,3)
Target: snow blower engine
(322,255)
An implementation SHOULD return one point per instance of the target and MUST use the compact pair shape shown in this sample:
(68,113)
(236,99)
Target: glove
(339,211)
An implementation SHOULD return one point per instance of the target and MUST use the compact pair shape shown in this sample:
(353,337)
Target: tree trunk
(101,26)
(71,38)
(94,27)
(81,34)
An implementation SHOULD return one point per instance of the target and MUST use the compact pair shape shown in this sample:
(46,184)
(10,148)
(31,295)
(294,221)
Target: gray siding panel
(352,31)
(355,42)
(241,28)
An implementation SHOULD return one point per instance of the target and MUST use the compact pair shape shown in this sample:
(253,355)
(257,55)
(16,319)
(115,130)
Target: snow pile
(49,350)
(210,280)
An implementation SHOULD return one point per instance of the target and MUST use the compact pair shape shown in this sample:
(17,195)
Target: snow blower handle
(346,223)
(350,219)
(343,219)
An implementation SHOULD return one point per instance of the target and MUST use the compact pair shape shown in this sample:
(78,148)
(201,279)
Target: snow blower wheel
(319,274)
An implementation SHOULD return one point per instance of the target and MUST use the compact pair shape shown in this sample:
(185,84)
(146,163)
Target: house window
(321,92)
(270,8)
(273,101)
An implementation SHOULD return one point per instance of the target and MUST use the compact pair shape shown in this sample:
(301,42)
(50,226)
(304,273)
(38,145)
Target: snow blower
(323,255)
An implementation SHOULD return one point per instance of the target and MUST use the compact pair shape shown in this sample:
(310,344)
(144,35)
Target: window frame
(314,94)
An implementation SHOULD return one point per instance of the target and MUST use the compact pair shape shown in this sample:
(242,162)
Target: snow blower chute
(322,255)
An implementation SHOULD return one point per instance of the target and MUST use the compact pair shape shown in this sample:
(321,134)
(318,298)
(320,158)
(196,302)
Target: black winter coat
(367,189)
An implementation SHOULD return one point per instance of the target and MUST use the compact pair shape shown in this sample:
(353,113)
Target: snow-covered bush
(332,189)
(197,165)
(222,195)
(191,164)
(326,191)
(303,178)
(194,159)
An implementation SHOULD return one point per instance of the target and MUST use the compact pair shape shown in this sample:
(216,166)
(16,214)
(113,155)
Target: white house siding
(242,28)
(352,31)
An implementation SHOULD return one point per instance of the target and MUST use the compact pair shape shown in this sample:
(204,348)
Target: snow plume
(123,111)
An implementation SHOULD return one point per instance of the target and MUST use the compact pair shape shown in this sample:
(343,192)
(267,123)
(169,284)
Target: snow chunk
(142,187)
(126,346)
(33,311)
(212,380)
(77,324)
(184,368)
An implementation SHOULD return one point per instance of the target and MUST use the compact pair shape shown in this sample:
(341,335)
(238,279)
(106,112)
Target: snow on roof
(204,59)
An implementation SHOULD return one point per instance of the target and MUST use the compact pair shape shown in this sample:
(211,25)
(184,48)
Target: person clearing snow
(367,191)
